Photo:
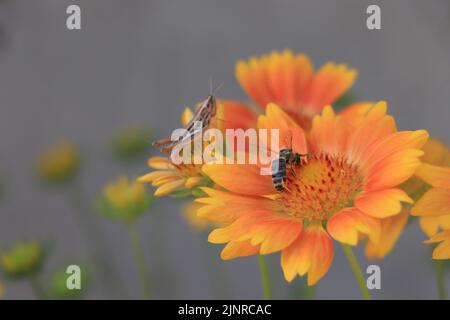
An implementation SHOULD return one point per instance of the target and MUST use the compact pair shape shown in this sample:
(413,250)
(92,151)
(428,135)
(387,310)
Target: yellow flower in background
(442,251)
(22,260)
(58,284)
(124,200)
(198,223)
(131,142)
(435,206)
(59,163)
(291,82)
(343,190)
(391,228)
(2,290)
(437,153)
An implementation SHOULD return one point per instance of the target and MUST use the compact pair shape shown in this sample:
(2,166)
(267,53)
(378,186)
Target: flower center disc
(319,187)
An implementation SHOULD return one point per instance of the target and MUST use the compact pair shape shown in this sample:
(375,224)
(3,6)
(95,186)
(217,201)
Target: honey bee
(279,165)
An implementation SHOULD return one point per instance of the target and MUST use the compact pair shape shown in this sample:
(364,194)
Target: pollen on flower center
(319,187)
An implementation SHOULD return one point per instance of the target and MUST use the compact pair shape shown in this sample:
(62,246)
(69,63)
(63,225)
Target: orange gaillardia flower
(185,179)
(290,81)
(435,203)
(342,189)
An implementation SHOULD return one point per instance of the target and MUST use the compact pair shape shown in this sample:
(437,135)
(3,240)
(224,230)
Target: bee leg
(285,187)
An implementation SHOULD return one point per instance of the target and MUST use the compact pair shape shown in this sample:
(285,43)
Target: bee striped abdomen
(278,173)
(279,165)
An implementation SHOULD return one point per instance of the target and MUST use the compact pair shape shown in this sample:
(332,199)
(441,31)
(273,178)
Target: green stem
(37,288)
(302,291)
(265,278)
(216,271)
(440,279)
(359,276)
(310,292)
(97,244)
(139,259)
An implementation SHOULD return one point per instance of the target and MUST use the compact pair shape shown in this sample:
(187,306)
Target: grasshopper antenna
(210,86)
(218,88)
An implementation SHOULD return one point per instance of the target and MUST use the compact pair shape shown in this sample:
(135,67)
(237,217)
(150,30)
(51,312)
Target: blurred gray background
(141,62)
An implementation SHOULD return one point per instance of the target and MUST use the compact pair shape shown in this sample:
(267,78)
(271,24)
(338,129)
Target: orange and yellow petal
(220,214)
(252,76)
(442,251)
(240,178)
(152,176)
(236,249)
(436,153)
(383,203)
(263,229)
(431,225)
(374,126)
(289,76)
(311,252)
(234,115)
(193,181)
(291,135)
(347,225)
(356,111)
(173,180)
(166,179)
(239,229)
(226,214)
(274,235)
(169,188)
(279,77)
(390,230)
(329,83)
(160,163)
(434,175)
(383,148)
(329,133)
(435,202)
(226,207)
(394,169)
(189,211)
(186,116)
(289,80)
